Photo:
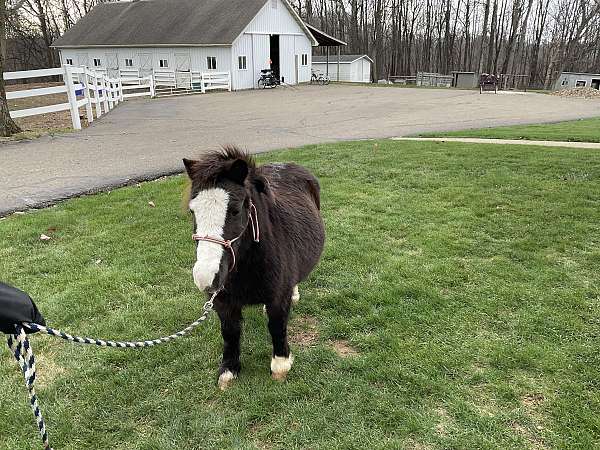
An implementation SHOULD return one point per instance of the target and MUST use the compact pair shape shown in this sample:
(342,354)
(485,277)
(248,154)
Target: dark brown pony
(258,233)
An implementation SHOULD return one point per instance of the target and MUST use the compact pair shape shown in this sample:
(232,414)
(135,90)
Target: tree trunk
(486,17)
(7,126)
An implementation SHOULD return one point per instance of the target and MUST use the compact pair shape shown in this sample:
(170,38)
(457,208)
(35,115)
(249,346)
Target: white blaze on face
(210,210)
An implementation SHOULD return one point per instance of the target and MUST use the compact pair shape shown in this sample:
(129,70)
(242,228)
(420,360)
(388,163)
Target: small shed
(352,68)
(568,80)
(464,80)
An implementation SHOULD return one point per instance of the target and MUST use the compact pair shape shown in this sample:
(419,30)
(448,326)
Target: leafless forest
(539,38)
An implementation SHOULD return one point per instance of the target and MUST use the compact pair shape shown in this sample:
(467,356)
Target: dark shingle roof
(343,58)
(162,22)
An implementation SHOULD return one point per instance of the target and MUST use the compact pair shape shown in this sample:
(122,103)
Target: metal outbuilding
(568,80)
(352,68)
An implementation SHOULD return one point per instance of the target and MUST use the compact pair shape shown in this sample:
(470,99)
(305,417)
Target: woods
(538,38)
(534,39)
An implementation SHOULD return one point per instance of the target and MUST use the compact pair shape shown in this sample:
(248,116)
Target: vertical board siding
(271,20)
(304,46)
(243,79)
(260,54)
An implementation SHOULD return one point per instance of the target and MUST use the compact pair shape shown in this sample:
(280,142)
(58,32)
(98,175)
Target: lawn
(584,130)
(457,305)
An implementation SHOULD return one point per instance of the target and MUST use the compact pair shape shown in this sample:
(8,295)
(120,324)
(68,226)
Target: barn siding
(274,20)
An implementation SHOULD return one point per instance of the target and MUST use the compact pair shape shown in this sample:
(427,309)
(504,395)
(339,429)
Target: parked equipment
(319,78)
(268,79)
(488,82)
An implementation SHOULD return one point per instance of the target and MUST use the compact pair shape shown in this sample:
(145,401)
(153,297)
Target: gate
(112,65)
(183,75)
(145,64)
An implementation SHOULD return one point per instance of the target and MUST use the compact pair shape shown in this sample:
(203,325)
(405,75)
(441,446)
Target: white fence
(195,81)
(84,88)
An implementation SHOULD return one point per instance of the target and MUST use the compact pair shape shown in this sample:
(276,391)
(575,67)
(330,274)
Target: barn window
(581,83)
(69,61)
(97,62)
(564,82)
(305,59)
(212,62)
(128,62)
(242,63)
(163,63)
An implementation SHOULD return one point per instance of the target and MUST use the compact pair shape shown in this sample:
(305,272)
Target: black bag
(16,307)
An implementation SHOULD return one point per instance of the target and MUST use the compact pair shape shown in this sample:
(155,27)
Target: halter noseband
(252,220)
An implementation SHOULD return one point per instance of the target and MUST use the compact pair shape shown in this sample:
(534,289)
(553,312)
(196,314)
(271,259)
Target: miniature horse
(258,233)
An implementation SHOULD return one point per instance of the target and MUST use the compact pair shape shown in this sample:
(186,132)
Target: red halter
(252,220)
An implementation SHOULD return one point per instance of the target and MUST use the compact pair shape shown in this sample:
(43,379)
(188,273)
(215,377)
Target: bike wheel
(261,83)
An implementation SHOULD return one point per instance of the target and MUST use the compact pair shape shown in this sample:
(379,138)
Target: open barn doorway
(274,55)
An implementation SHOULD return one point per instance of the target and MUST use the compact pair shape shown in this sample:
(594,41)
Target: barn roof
(154,23)
(344,59)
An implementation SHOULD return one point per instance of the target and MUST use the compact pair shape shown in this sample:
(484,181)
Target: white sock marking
(210,210)
(225,379)
(280,365)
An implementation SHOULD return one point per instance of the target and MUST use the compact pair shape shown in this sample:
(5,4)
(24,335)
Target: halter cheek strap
(252,221)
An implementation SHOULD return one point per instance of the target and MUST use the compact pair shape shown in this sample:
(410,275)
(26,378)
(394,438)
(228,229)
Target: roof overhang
(323,38)
(302,24)
(140,46)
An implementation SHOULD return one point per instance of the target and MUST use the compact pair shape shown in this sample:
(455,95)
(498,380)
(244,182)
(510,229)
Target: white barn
(177,40)
(352,68)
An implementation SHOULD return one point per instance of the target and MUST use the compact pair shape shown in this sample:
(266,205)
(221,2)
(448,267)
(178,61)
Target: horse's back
(296,214)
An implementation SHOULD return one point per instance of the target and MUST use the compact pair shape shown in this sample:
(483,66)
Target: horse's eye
(235,212)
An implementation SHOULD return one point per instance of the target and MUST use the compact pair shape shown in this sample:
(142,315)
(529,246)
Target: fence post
(152,93)
(229,81)
(105,89)
(109,92)
(86,93)
(97,95)
(121,89)
(202,85)
(68,79)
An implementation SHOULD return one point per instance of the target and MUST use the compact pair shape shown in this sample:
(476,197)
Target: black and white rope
(20,347)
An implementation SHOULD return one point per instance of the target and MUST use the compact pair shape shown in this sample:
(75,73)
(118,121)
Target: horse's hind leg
(231,318)
(295,296)
(282,359)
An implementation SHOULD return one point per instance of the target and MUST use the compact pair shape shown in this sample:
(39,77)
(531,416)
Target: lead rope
(21,349)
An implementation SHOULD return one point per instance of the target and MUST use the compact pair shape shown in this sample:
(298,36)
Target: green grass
(584,130)
(465,277)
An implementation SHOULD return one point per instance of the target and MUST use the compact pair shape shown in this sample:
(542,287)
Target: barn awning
(323,38)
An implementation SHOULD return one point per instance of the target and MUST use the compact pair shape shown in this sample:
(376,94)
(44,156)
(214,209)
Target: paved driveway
(146,138)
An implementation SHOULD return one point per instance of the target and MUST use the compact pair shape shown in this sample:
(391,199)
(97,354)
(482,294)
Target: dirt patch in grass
(531,401)
(304,332)
(444,421)
(534,440)
(344,349)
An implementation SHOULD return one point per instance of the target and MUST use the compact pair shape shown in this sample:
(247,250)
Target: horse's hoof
(226,379)
(280,366)
(295,296)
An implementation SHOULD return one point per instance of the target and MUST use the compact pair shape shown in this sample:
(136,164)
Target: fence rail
(99,93)
(84,88)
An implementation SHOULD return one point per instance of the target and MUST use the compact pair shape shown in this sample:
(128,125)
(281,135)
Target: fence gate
(145,64)
(183,75)
(112,65)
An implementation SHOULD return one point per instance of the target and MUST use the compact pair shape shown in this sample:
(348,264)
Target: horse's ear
(261,184)
(189,166)
(238,171)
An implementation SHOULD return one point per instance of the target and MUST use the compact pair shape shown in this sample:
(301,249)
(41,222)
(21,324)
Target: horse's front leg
(231,328)
(281,362)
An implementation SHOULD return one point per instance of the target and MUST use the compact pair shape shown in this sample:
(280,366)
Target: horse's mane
(209,166)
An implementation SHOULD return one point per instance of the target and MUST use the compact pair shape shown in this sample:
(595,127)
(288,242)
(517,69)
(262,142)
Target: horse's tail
(315,191)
